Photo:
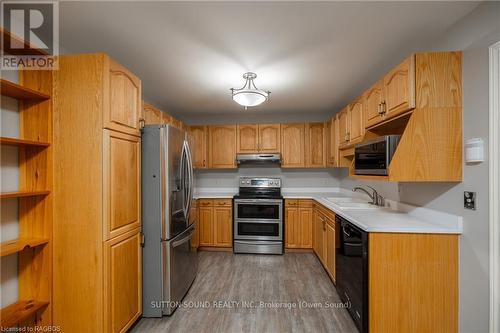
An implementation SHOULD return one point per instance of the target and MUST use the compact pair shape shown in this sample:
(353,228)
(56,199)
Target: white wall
(290,178)
(9,181)
(473,34)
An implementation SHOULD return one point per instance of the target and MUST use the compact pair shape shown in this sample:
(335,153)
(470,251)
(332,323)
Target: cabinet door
(223,222)
(315,145)
(318,235)
(124,110)
(222,146)
(343,127)
(399,88)
(269,138)
(328,143)
(206,226)
(198,136)
(166,119)
(122,281)
(330,250)
(291,225)
(292,145)
(248,139)
(357,128)
(151,114)
(335,142)
(122,183)
(305,221)
(372,104)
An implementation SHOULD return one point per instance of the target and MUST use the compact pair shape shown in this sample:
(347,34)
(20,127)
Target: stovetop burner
(259,188)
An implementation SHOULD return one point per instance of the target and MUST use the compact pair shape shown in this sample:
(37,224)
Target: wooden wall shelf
(19,312)
(28,49)
(18,245)
(22,194)
(22,143)
(17,91)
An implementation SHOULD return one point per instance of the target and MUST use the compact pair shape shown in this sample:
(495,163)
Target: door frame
(494,153)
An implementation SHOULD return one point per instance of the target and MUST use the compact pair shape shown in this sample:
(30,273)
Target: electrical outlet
(470,200)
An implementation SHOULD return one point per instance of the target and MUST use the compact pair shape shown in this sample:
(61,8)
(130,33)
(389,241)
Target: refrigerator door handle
(190,177)
(184,177)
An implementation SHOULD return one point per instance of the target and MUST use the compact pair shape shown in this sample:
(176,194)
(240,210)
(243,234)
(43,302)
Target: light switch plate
(470,200)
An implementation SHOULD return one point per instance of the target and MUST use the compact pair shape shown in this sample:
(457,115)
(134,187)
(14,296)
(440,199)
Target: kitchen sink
(338,200)
(357,205)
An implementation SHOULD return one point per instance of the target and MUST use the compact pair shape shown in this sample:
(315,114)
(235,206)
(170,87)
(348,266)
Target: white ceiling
(313,56)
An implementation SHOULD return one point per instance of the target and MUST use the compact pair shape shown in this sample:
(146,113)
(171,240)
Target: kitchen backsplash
(289,177)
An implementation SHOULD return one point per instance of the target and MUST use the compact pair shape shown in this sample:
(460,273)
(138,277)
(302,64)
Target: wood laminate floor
(278,281)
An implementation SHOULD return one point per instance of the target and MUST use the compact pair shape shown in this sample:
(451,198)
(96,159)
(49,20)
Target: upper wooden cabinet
(151,115)
(343,119)
(261,138)
(373,103)
(292,145)
(399,89)
(198,142)
(222,146)
(269,138)
(124,111)
(248,138)
(356,126)
(315,145)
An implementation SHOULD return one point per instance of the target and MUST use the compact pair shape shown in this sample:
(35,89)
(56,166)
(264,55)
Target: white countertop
(396,217)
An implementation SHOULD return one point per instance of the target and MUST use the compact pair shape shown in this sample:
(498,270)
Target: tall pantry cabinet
(96,233)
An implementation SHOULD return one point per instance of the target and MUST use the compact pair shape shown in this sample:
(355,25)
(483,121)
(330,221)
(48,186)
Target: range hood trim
(247,159)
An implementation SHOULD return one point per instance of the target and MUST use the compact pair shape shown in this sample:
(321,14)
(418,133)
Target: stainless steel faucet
(377,199)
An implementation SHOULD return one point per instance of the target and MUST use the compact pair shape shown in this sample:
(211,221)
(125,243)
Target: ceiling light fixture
(249,95)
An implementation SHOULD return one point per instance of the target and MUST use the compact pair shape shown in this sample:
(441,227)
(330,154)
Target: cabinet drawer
(222,202)
(305,203)
(205,202)
(291,202)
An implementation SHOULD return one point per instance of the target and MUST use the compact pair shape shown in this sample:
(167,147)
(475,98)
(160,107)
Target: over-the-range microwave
(373,157)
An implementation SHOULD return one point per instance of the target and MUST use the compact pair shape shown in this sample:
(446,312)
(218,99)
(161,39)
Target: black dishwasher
(352,271)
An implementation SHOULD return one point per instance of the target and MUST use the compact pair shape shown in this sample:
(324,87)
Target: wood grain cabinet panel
(269,138)
(223,218)
(356,124)
(292,145)
(305,218)
(248,139)
(399,88)
(222,146)
(292,224)
(151,115)
(124,109)
(123,281)
(373,104)
(315,145)
(122,183)
(206,226)
(198,142)
(343,119)
(330,250)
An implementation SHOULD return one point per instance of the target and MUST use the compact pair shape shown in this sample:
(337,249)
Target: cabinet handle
(380,109)
(142,123)
(384,107)
(203,162)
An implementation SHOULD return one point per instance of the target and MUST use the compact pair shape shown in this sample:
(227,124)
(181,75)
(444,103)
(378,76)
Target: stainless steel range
(258,216)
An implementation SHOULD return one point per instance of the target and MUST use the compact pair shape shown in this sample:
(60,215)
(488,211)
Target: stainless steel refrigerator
(170,263)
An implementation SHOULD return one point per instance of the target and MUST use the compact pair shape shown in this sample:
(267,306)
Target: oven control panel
(260,182)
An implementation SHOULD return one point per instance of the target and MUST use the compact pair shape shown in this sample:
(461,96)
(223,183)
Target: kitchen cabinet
(222,146)
(399,89)
(356,127)
(216,218)
(319,235)
(248,139)
(343,119)
(151,115)
(198,142)
(96,199)
(373,104)
(298,224)
(269,138)
(122,281)
(124,110)
(330,248)
(292,145)
(122,174)
(315,145)
(332,142)
(258,138)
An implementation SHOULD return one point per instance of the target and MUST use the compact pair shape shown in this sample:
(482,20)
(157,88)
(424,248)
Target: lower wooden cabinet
(122,281)
(216,219)
(325,238)
(298,224)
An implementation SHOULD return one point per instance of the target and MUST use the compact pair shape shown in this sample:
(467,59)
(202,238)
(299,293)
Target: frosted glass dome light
(249,95)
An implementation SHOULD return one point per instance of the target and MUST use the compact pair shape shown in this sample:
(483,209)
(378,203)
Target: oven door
(258,219)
